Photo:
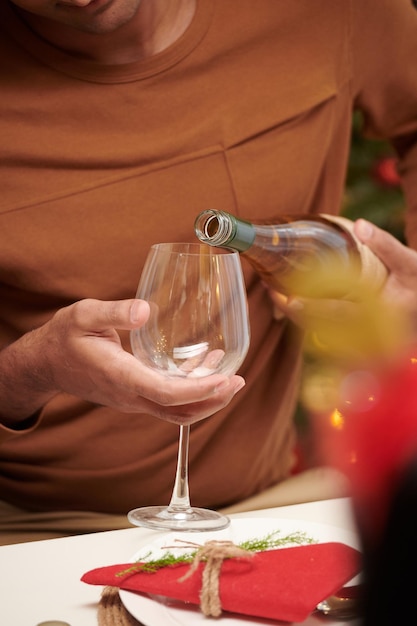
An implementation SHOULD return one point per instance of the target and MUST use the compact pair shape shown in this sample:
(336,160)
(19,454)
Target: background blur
(373,191)
(373,186)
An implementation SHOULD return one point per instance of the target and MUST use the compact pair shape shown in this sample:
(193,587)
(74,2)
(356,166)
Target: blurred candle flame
(337,420)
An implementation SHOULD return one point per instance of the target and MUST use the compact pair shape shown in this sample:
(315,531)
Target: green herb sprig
(268,542)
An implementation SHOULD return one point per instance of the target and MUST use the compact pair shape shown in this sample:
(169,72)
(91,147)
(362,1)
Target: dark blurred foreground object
(390,566)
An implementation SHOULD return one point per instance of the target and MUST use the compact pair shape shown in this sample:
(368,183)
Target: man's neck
(153,26)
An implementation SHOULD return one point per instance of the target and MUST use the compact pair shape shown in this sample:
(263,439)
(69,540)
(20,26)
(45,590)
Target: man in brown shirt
(120,121)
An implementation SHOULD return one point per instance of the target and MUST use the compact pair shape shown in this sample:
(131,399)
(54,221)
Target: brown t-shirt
(250,112)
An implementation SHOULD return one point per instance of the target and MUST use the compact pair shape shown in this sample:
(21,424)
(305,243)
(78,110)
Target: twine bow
(213,552)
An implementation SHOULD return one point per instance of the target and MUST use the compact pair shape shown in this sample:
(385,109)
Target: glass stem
(180,499)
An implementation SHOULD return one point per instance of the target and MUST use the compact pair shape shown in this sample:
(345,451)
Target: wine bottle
(304,255)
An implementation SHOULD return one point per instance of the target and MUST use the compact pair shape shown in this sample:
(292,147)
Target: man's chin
(95,16)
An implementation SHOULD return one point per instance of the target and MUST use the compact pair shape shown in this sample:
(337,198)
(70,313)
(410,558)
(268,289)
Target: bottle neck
(218,228)
(305,247)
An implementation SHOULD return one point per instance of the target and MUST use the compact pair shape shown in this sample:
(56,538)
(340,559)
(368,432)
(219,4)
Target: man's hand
(380,321)
(401,261)
(400,287)
(79,352)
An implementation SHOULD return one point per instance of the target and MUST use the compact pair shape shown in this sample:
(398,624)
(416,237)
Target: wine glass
(198,326)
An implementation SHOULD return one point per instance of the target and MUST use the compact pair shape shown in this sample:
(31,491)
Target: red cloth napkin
(284,584)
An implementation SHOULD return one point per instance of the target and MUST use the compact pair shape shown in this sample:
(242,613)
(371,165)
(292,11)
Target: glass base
(169,518)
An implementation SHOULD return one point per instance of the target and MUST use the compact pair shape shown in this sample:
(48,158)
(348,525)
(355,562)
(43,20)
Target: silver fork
(343,605)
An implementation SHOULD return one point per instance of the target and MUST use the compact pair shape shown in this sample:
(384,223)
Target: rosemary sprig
(153,565)
(269,542)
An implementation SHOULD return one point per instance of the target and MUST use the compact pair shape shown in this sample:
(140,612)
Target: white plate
(158,611)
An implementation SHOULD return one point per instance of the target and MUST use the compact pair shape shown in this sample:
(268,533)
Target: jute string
(111,611)
(213,553)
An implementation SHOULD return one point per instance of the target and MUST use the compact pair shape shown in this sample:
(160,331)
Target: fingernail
(364,229)
(294,304)
(135,311)
(239,385)
(212,360)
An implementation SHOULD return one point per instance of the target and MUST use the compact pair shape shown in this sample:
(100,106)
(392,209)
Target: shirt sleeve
(384,80)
